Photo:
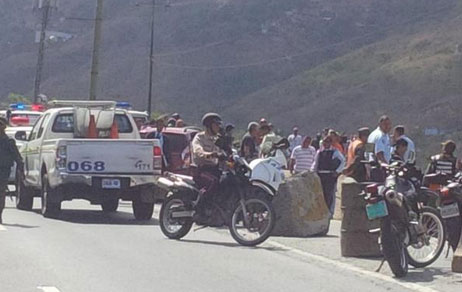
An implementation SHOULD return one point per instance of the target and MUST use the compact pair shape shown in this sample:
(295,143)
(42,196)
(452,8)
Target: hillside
(241,57)
(414,75)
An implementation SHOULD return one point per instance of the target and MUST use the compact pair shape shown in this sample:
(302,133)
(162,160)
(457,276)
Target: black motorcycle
(410,233)
(449,190)
(245,208)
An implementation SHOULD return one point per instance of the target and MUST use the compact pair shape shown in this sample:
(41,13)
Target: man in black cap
(399,152)
(8,155)
(176,116)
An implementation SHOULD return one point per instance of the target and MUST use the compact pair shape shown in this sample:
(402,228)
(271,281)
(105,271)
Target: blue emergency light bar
(124,105)
(17,106)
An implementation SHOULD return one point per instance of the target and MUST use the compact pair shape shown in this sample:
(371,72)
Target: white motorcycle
(243,201)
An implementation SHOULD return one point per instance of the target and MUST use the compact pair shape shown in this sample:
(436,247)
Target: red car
(179,147)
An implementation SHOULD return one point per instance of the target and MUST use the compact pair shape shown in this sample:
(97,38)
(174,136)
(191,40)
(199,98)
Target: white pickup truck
(61,163)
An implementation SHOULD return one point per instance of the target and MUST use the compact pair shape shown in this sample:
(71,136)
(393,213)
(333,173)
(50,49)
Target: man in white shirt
(381,139)
(302,158)
(294,139)
(409,155)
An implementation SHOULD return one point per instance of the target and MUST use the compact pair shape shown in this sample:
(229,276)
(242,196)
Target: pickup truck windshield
(64,123)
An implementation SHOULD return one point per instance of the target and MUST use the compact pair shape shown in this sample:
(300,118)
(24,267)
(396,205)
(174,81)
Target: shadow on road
(308,237)
(231,244)
(20,226)
(99,217)
(427,275)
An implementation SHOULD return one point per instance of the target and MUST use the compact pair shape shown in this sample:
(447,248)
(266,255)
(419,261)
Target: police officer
(329,164)
(8,155)
(445,162)
(206,154)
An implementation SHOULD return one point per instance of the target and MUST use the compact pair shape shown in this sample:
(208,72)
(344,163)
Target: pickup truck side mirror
(21,136)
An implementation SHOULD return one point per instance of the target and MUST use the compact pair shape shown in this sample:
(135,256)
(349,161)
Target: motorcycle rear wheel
(393,249)
(426,253)
(174,228)
(262,219)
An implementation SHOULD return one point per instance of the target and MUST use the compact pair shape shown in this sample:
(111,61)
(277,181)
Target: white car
(20,121)
(140,118)
(62,162)
(20,118)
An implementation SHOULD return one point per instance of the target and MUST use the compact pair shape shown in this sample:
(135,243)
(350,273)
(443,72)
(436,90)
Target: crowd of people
(330,154)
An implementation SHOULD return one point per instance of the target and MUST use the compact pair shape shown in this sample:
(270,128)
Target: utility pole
(151,59)
(96,47)
(45,7)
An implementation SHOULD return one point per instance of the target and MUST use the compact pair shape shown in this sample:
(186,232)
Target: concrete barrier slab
(300,207)
(457,259)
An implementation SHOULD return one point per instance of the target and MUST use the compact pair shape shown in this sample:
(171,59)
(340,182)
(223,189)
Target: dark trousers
(329,186)
(207,180)
(3,185)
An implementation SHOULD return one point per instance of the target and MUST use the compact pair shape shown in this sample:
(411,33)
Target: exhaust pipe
(394,198)
(165,183)
(183,214)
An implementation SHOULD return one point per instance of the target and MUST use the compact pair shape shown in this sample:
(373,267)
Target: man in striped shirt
(302,157)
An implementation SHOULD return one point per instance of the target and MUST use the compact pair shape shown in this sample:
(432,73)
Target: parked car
(140,118)
(92,151)
(179,147)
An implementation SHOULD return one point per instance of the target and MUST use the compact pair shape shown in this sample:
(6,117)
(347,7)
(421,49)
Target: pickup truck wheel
(142,211)
(24,195)
(49,209)
(110,206)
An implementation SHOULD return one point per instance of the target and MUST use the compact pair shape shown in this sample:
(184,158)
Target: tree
(18,98)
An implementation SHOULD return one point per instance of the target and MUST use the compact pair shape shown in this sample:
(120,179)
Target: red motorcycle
(449,203)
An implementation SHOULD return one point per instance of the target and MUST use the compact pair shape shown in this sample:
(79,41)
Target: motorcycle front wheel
(431,243)
(393,248)
(174,228)
(252,220)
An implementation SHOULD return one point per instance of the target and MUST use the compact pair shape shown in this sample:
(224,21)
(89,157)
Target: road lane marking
(3,228)
(48,289)
(350,267)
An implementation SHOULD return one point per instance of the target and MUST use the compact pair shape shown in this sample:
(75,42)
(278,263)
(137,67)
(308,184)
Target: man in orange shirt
(355,154)
(336,141)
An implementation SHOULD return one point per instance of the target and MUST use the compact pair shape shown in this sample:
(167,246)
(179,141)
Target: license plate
(377,210)
(450,211)
(107,183)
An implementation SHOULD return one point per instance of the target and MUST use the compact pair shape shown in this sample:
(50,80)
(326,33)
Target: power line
(289,57)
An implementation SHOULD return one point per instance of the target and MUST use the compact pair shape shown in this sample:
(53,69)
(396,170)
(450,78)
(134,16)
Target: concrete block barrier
(355,239)
(300,207)
(457,258)
(338,213)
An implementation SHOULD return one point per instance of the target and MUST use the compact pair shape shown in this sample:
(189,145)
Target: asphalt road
(87,250)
